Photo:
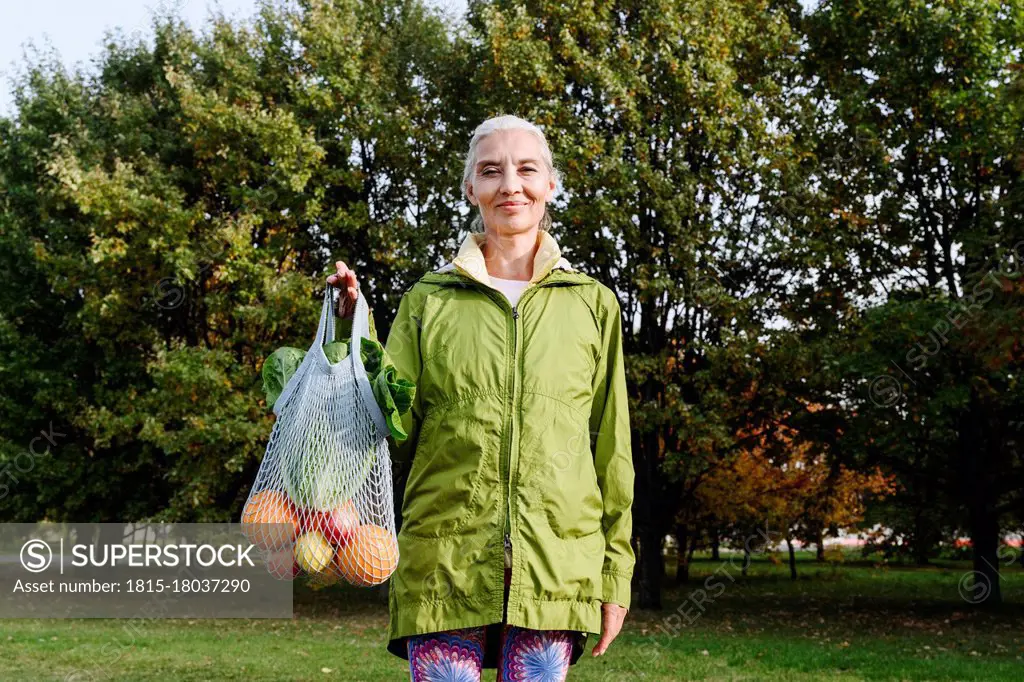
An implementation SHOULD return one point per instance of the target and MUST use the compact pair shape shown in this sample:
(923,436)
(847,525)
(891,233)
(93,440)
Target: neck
(510,255)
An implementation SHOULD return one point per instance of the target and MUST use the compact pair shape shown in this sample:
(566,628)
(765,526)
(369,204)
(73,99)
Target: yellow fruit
(325,578)
(312,552)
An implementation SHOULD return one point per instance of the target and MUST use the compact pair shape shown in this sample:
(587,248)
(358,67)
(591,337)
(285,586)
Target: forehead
(517,145)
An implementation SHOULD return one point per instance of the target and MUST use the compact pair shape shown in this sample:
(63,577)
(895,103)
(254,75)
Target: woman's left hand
(612,616)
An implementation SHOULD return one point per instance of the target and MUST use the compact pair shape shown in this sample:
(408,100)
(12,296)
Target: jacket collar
(470,259)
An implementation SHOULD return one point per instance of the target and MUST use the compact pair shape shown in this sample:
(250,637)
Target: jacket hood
(470,259)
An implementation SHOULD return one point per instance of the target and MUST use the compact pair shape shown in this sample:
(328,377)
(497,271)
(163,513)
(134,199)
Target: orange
(269,507)
(370,557)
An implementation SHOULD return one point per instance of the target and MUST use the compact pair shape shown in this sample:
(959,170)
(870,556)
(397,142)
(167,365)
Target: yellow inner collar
(471,258)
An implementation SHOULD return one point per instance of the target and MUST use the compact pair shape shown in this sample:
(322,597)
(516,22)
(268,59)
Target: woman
(515,541)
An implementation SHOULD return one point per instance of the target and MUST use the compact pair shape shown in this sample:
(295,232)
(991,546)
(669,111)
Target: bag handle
(326,332)
(360,329)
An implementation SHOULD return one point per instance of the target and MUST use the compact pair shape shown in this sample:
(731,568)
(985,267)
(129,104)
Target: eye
(529,169)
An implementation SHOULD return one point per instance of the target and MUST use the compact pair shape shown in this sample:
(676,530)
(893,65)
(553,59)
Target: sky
(75,28)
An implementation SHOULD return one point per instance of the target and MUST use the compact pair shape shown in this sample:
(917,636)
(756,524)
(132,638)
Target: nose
(510,184)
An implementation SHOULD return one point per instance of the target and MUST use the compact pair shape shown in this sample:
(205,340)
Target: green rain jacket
(519,432)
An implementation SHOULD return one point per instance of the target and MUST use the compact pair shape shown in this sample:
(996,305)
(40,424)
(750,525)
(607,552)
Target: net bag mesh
(322,504)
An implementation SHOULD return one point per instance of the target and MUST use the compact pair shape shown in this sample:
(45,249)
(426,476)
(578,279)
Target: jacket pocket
(563,473)
(571,571)
(456,448)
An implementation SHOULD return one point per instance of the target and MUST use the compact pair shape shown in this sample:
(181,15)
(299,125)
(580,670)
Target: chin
(517,224)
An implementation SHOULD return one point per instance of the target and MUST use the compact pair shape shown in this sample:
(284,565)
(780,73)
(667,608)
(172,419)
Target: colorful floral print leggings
(457,655)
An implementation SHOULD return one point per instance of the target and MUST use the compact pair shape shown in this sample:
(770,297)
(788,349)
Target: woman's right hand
(345,279)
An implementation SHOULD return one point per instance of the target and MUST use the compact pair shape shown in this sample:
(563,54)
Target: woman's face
(509,169)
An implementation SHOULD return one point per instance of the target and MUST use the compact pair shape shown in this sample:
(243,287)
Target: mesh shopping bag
(322,503)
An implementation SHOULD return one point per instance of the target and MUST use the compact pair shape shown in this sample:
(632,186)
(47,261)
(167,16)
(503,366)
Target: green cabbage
(316,481)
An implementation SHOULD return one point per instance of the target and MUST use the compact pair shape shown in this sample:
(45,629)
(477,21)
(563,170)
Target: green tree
(927,220)
(167,218)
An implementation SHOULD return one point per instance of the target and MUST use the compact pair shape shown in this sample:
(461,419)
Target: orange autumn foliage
(788,485)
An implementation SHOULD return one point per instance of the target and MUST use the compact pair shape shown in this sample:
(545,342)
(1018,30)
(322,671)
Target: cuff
(616,589)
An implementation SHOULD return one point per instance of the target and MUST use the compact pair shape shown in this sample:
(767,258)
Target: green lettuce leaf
(314,480)
(278,369)
(336,351)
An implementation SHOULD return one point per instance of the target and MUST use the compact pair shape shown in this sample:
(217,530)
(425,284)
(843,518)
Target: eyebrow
(494,162)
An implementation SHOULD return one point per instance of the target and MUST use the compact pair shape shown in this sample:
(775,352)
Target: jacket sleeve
(402,349)
(613,459)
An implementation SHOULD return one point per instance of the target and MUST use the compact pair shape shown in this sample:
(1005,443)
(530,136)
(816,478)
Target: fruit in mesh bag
(269,520)
(338,525)
(312,552)
(282,565)
(325,578)
(370,556)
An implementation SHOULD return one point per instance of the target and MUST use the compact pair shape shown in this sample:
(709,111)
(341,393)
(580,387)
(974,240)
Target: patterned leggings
(457,655)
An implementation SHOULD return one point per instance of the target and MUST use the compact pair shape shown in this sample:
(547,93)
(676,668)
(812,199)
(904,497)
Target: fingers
(341,274)
(602,644)
(345,307)
(345,278)
(606,634)
(612,616)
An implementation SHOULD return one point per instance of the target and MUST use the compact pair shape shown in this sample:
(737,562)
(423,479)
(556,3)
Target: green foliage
(165,221)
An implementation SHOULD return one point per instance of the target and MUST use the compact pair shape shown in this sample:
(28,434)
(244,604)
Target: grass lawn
(857,622)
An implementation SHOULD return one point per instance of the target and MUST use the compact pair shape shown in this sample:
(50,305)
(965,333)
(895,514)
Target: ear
(471,195)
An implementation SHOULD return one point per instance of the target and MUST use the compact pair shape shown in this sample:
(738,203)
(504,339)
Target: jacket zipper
(511,432)
(515,343)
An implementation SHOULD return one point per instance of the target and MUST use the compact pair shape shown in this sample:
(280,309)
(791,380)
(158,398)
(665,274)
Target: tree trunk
(820,542)
(921,540)
(792,559)
(105,534)
(746,559)
(975,454)
(381,592)
(985,543)
(648,516)
(651,569)
(715,542)
(682,535)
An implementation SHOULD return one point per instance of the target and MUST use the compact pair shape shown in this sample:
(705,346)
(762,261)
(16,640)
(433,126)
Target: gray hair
(507,122)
